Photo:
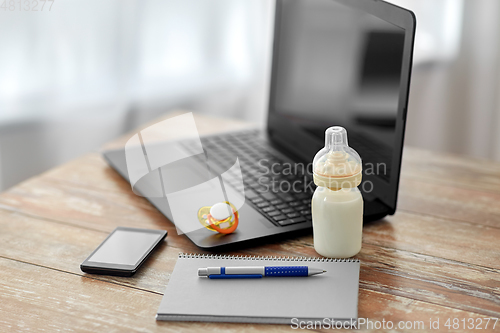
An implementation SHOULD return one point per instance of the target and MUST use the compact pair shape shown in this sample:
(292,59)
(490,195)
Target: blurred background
(83,73)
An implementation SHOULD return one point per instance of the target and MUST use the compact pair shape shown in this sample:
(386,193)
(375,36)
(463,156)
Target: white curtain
(86,71)
(455,93)
(94,52)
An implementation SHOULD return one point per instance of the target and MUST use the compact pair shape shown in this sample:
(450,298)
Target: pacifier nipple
(221,211)
(222,217)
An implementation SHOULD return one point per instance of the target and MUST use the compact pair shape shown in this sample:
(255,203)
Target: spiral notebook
(279,300)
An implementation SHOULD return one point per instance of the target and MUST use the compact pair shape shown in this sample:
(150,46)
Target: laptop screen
(339,65)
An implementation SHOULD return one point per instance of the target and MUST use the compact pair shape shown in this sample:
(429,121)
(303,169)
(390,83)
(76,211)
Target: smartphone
(123,251)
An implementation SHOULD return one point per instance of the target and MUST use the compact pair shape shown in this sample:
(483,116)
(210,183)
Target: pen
(256,272)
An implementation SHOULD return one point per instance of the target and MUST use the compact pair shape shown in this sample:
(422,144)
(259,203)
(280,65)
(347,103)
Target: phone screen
(125,247)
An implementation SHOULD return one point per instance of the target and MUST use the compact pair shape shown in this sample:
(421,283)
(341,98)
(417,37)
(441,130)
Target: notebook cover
(332,295)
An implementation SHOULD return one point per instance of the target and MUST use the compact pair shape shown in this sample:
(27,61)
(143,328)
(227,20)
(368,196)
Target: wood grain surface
(438,257)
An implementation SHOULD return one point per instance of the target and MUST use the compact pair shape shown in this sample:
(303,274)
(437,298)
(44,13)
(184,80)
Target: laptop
(334,62)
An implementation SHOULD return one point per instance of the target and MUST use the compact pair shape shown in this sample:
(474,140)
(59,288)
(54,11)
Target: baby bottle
(337,204)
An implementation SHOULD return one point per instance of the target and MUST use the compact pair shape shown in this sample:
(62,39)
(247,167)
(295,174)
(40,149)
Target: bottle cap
(337,165)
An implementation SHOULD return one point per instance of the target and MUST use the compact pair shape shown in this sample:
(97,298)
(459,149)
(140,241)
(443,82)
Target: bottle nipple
(337,165)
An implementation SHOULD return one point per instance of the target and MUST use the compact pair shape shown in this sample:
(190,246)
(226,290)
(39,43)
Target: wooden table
(437,257)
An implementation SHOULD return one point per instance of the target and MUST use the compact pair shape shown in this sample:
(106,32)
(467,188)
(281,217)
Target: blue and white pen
(256,272)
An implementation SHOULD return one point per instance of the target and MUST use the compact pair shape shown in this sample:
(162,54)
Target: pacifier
(221,217)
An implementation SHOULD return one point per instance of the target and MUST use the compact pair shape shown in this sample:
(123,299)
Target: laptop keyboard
(282,194)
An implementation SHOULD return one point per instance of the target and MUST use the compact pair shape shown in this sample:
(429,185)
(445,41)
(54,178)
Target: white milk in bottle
(337,204)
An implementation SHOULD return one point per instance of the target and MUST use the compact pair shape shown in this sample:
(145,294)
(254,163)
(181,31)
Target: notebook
(278,300)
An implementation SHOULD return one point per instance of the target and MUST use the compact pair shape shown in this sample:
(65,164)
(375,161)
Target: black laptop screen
(338,65)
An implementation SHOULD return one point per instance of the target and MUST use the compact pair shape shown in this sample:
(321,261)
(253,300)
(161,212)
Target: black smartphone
(123,251)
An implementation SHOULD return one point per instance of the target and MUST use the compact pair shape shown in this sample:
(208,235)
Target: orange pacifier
(221,217)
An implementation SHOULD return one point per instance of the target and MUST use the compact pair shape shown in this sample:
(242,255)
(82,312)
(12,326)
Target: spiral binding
(218,256)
